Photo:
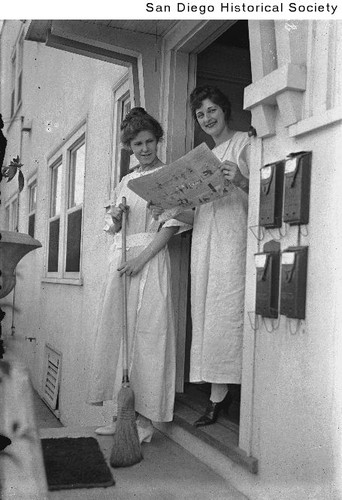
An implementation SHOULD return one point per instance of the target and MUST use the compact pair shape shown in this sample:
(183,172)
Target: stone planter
(22,472)
(13,247)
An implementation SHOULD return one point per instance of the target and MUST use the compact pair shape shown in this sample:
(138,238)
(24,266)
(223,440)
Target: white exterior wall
(295,407)
(291,392)
(59,91)
(295,372)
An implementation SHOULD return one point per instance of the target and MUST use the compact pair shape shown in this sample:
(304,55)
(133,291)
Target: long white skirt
(151,337)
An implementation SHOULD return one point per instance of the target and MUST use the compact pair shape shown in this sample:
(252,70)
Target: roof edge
(38,30)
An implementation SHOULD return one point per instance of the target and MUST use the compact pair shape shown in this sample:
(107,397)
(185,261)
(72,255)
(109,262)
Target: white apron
(151,330)
(218,264)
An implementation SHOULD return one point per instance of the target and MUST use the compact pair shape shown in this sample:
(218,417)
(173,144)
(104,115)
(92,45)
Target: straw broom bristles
(126,449)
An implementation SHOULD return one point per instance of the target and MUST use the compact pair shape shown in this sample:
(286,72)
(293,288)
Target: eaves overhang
(39,30)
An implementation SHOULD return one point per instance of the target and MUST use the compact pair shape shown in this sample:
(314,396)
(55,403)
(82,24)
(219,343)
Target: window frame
(54,216)
(19,74)
(11,219)
(121,91)
(76,207)
(61,157)
(32,183)
(13,82)
(17,64)
(7,217)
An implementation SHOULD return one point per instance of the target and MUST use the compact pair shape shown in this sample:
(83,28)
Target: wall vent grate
(52,375)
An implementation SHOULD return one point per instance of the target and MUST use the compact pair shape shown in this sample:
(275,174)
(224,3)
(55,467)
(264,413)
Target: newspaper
(190,181)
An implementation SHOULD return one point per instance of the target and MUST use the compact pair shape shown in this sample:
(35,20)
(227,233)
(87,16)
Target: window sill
(282,88)
(63,281)
(316,122)
(265,91)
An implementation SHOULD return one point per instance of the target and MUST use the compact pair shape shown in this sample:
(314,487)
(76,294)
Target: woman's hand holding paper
(232,173)
(156,210)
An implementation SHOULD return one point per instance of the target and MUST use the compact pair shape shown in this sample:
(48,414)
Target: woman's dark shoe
(211,413)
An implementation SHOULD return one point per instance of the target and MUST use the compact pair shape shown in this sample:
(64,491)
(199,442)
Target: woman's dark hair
(138,120)
(198,95)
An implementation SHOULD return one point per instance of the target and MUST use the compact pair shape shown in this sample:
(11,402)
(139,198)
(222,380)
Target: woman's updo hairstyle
(138,120)
(198,95)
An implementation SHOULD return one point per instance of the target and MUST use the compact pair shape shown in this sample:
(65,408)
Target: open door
(224,63)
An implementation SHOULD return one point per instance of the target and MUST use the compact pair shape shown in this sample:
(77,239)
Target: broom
(126,448)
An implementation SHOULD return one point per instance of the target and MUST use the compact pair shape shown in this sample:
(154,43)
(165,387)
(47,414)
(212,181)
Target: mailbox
(267,285)
(297,178)
(271,195)
(293,282)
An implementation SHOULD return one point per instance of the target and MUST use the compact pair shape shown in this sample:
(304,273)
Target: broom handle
(124,317)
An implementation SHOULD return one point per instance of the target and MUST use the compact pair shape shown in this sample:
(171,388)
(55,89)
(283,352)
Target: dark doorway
(225,64)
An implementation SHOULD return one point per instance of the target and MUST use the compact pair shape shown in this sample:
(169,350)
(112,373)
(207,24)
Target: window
(32,208)
(11,214)
(17,74)
(125,105)
(13,71)
(20,68)
(74,211)
(54,221)
(7,217)
(67,171)
(122,159)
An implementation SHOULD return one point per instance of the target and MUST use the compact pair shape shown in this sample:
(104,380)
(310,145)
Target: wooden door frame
(179,67)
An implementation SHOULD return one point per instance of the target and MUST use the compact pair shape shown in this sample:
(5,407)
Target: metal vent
(52,374)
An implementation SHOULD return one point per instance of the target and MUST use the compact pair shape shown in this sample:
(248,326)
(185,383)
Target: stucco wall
(59,91)
(295,394)
(294,372)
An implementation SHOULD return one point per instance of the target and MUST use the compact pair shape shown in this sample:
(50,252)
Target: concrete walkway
(167,472)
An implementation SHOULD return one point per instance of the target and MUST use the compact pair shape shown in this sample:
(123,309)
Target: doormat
(75,463)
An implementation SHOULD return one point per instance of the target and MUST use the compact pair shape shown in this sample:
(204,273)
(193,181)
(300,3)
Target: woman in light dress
(151,329)
(218,256)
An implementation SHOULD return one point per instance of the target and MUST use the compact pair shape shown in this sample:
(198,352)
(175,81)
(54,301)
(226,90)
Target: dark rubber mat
(75,463)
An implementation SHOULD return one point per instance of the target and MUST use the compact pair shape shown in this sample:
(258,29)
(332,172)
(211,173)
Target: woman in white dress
(151,328)
(218,259)
(218,256)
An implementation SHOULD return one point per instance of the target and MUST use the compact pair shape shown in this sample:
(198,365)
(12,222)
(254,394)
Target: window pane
(53,246)
(31,224)
(56,190)
(13,78)
(32,208)
(20,78)
(33,197)
(77,167)
(12,102)
(7,218)
(13,225)
(125,106)
(20,52)
(74,241)
(14,62)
